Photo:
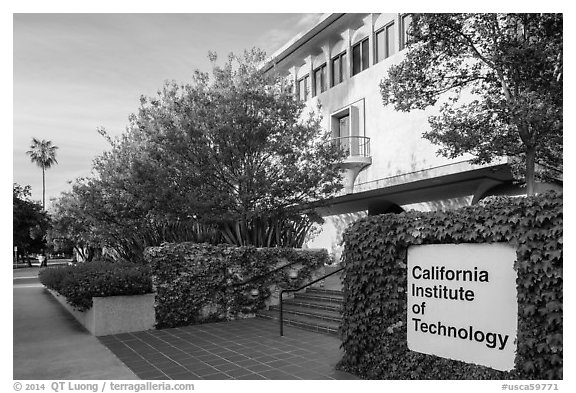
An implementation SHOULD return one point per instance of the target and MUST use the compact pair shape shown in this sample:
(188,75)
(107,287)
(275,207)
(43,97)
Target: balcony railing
(354,146)
(358,157)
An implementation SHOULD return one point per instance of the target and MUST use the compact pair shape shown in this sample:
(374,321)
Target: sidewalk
(50,344)
(248,349)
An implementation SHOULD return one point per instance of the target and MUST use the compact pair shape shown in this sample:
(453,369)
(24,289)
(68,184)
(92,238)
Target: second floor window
(405,21)
(344,133)
(339,68)
(385,42)
(320,82)
(303,88)
(360,56)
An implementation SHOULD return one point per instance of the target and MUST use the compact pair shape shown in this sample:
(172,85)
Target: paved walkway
(243,349)
(50,344)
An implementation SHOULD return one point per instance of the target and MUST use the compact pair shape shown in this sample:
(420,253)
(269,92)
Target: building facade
(336,67)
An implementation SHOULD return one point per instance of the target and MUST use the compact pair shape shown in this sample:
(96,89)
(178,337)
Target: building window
(320,79)
(385,42)
(339,68)
(360,59)
(342,131)
(405,21)
(344,126)
(303,88)
(288,84)
(347,127)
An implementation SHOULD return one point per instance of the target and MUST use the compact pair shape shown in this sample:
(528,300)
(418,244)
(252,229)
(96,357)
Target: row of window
(384,47)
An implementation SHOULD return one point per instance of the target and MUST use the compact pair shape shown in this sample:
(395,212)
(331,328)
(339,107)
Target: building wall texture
(398,153)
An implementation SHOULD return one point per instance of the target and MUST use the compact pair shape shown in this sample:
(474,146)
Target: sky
(73,73)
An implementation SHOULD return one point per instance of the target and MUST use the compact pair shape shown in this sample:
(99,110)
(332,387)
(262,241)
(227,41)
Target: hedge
(197,283)
(375,282)
(80,283)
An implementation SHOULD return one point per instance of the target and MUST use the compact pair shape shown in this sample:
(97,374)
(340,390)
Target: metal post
(281,315)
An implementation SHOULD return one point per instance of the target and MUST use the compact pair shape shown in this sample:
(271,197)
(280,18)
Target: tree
(43,154)
(236,141)
(226,158)
(30,222)
(71,226)
(511,64)
(100,220)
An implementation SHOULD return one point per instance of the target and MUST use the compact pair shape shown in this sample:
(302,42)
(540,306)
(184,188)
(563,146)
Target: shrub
(375,278)
(78,284)
(198,283)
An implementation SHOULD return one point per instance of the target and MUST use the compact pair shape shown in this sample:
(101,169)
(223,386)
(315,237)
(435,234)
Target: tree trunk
(89,254)
(80,251)
(43,189)
(530,170)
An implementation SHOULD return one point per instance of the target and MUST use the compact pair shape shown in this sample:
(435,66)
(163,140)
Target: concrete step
(325,292)
(304,322)
(317,297)
(316,309)
(316,305)
(323,315)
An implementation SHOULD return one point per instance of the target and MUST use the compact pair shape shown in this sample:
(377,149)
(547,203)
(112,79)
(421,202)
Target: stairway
(315,309)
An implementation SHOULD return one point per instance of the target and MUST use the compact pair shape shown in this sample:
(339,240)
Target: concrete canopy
(454,185)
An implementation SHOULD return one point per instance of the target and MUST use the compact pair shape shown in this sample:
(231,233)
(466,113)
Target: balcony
(358,157)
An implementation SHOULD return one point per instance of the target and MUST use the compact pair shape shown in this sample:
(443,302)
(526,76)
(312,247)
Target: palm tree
(43,154)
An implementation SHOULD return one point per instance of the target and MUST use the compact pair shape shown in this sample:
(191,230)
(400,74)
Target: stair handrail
(282,291)
(251,279)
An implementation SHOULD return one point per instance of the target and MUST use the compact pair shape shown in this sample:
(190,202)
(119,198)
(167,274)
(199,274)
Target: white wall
(330,236)
(396,142)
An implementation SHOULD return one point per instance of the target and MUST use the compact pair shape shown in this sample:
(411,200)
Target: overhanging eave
(449,186)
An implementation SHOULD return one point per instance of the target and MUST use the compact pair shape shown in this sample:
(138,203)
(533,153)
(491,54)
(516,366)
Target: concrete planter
(115,314)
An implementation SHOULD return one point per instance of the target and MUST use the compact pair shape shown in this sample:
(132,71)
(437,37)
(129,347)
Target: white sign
(462,302)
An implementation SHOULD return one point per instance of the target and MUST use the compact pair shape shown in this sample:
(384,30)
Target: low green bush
(198,283)
(375,282)
(80,283)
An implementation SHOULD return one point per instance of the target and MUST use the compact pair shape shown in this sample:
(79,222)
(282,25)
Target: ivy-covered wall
(198,283)
(375,281)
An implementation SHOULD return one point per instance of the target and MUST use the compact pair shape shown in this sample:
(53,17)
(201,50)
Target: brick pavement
(244,349)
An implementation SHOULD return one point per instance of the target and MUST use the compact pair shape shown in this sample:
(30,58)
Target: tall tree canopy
(43,154)
(512,66)
(30,222)
(72,226)
(229,156)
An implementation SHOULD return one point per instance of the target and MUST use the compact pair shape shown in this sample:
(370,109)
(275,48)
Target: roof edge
(299,40)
